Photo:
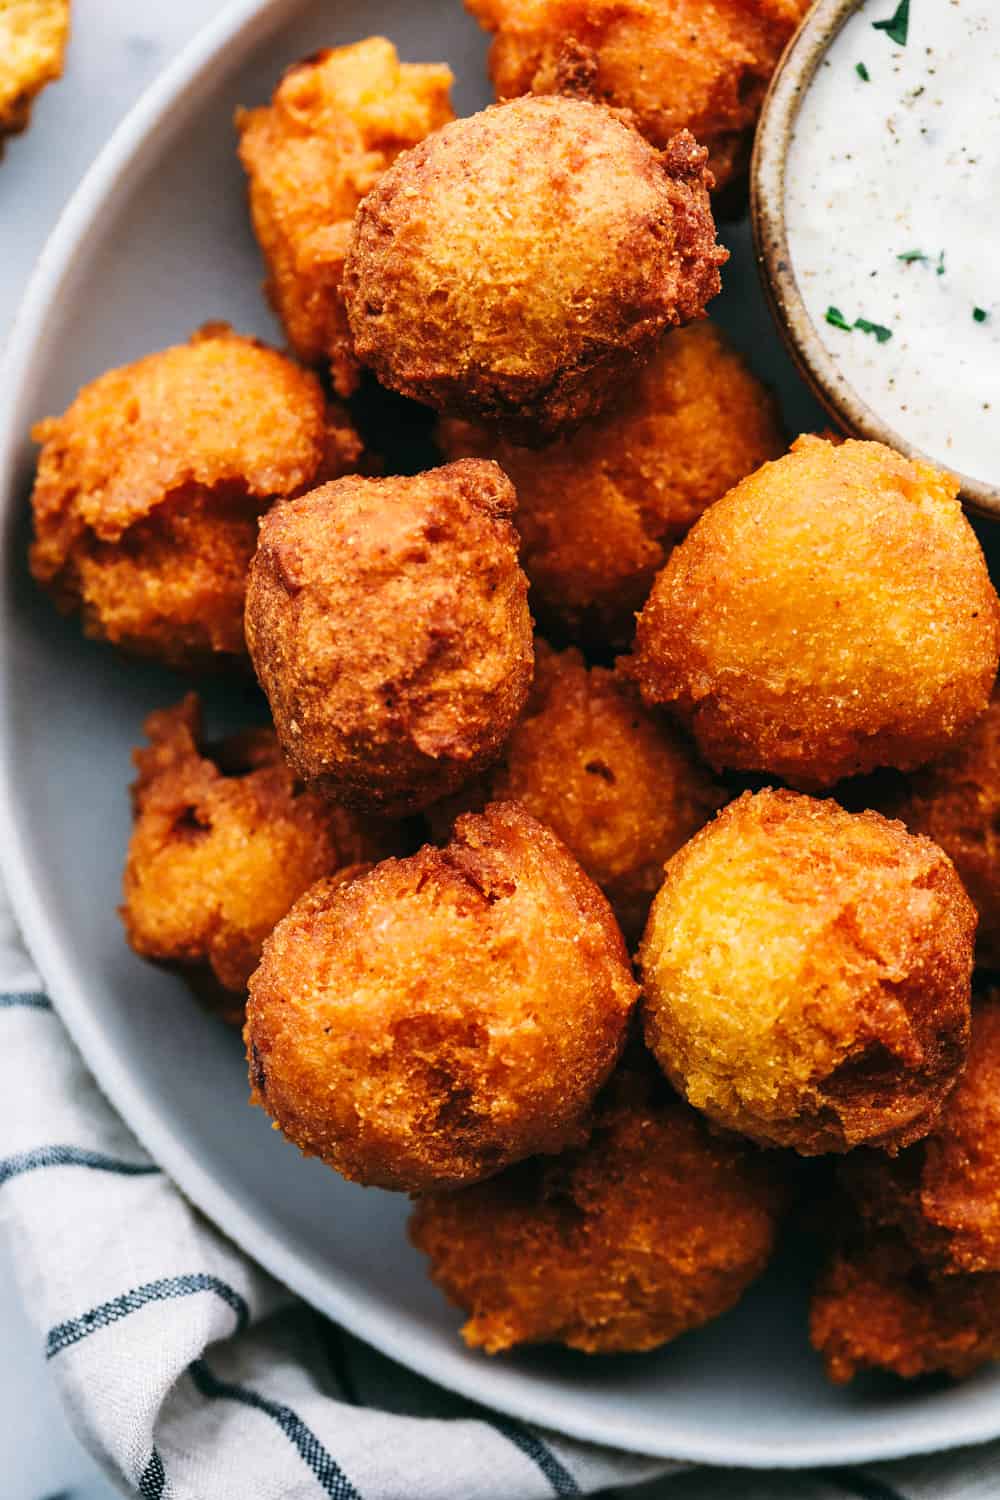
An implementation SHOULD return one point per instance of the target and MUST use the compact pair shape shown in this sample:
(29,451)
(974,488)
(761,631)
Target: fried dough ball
(336,121)
(876,1308)
(956,802)
(654,1227)
(388,623)
(519,263)
(445,1015)
(831,614)
(150,485)
(599,511)
(33,36)
(618,785)
(225,840)
(943,1194)
(700,64)
(807,975)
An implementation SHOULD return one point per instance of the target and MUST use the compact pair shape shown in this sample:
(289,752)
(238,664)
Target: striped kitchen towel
(192,1376)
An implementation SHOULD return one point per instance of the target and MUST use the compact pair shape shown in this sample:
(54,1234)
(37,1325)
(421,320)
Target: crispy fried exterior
(225,840)
(33,35)
(336,122)
(831,614)
(876,1308)
(703,65)
(943,1194)
(519,263)
(445,1015)
(599,511)
(654,1227)
(149,487)
(807,975)
(389,627)
(956,802)
(621,788)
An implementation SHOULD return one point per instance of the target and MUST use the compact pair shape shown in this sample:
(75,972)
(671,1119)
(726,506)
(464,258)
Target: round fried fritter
(336,121)
(225,840)
(517,264)
(956,802)
(33,35)
(388,623)
(445,1015)
(150,485)
(807,975)
(876,1308)
(700,64)
(654,1227)
(599,511)
(943,1194)
(831,614)
(620,787)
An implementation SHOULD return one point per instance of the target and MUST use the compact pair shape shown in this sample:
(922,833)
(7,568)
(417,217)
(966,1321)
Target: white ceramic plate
(155,242)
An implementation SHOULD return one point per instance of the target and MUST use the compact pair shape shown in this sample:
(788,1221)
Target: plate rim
(235,29)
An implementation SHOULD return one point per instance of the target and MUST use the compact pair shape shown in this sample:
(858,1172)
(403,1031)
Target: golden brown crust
(335,123)
(33,35)
(694,64)
(149,487)
(876,1308)
(654,1227)
(599,511)
(518,263)
(388,624)
(225,840)
(620,787)
(831,614)
(943,1194)
(445,1015)
(807,975)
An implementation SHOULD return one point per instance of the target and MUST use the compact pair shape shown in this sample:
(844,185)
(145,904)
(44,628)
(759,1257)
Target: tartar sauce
(892,207)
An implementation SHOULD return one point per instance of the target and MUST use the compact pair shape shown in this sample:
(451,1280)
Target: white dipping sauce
(908,162)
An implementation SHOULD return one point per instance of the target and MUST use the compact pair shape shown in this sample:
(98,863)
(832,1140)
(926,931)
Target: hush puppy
(703,65)
(943,1194)
(599,511)
(33,35)
(516,265)
(336,121)
(388,623)
(620,787)
(831,614)
(150,485)
(807,975)
(445,1015)
(654,1227)
(225,840)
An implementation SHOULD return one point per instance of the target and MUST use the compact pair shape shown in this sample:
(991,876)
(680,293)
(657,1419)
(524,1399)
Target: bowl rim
(772,251)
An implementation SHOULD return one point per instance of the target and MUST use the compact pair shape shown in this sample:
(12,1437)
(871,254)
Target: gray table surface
(117,48)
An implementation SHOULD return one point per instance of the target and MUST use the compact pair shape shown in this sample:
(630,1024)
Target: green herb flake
(879,330)
(897,29)
(836,319)
(940,264)
(909,256)
(862,72)
(980,314)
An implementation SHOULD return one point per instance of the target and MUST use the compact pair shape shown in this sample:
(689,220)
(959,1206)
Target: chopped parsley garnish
(882,333)
(896,29)
(862,72)
(911,255)
(940,264)
(836,319)
(980,314)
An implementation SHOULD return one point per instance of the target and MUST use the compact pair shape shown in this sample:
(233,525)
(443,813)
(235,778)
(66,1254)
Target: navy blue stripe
(153,1479)
(64,1335)
(25,1001)
(862,1486)
(71,1156)
(316,1458)
(532,1447)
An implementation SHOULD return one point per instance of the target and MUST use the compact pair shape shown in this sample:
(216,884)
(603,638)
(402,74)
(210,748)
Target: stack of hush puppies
(501,927)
